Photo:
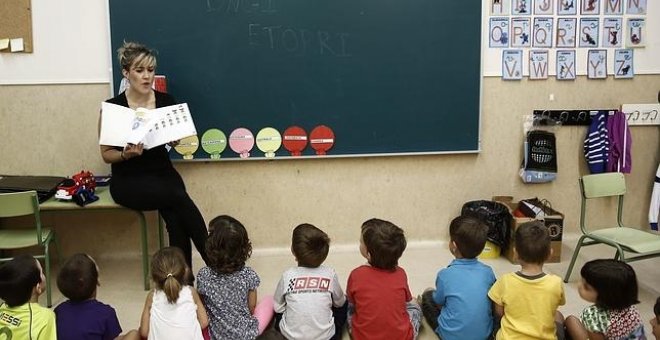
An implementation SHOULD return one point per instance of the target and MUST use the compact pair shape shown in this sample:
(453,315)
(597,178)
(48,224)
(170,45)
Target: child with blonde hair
(229,287)
(611,286)
(173,310)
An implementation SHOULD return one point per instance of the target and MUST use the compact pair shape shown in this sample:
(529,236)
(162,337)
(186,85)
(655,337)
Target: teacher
(145,179)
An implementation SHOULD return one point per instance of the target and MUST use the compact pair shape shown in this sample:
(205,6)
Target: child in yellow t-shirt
(527,300)
(21,316)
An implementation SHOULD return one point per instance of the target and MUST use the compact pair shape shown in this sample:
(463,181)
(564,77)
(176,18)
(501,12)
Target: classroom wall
(51,129)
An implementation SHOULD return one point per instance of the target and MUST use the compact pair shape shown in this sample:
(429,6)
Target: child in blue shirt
(459,307)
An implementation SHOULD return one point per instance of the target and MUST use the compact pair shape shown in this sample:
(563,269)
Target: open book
(121,125)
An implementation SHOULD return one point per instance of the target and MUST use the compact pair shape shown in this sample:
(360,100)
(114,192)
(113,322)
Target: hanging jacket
(654,210)
(618,135)
(596,144)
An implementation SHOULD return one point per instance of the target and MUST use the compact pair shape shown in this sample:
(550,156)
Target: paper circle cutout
(294,140)
(268,141)
(241,141)
(214,142)
(322,138)
(187,146)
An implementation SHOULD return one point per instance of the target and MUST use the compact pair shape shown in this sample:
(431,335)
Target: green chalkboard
(388,76)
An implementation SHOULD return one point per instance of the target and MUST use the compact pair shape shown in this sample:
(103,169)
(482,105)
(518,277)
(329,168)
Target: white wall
(71,43)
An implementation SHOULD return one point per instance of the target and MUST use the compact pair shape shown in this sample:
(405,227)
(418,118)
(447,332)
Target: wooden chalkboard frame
(384,94)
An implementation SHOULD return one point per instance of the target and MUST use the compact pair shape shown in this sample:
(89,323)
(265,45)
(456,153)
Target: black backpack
(495,215)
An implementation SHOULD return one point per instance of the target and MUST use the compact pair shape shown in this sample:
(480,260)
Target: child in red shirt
(380,303)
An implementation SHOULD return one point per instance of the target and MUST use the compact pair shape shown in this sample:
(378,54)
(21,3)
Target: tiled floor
(121,284)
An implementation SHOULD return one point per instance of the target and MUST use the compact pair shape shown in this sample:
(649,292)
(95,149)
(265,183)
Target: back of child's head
(656,308)
(385,243)
(17,279)
(532,242)
(78,278)
(310,245)
(228,245)
(614,281)
(168,270)
(470,235)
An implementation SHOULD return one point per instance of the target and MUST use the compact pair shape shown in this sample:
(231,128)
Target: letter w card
(538,64)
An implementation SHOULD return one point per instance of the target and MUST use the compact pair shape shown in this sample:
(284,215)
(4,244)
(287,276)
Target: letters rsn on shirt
(312,283)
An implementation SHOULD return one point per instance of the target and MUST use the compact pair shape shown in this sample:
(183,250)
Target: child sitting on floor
(173,310)
(82,316)
(527,300)
(611,286)
(459,308)
(21,316)
(229,287)
(380,303)
(308,299)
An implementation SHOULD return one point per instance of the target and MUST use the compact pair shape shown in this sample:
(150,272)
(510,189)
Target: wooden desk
(106,202)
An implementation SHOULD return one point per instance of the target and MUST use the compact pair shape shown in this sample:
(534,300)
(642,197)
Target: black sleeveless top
(153,160)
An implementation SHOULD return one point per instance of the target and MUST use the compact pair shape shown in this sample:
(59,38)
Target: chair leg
(574,258)
(49,302)
(620,254)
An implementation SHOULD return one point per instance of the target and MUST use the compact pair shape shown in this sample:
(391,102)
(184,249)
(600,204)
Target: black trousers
(165,192)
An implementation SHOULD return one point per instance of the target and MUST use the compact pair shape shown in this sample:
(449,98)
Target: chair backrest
(602,185)
(609,184)
(22,203)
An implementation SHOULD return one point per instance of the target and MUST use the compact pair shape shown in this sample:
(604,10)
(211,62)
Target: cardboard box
(554,221)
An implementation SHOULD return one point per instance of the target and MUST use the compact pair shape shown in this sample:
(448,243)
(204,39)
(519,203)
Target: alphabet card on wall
(500,7)
(538,64)
(566,30)
(636,32)
(588,32)
(542,32)
(623,63)
(566,7)
(512,64)
(597,64)
(590,7)
(613,7)
(543,7)
(521,7)
(612,32)
(566,65)
(499,32)
(635,7)
(520,31)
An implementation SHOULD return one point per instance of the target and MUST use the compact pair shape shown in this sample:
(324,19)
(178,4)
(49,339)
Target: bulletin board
(388,76)
(16,22)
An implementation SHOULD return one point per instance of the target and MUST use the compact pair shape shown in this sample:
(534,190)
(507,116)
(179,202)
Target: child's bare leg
(132,335)
(575,328)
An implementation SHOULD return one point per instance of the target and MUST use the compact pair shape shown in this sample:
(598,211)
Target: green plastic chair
(638,244)
(19,204)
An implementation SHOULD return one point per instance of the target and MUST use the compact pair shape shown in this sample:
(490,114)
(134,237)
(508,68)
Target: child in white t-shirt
(309,301)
